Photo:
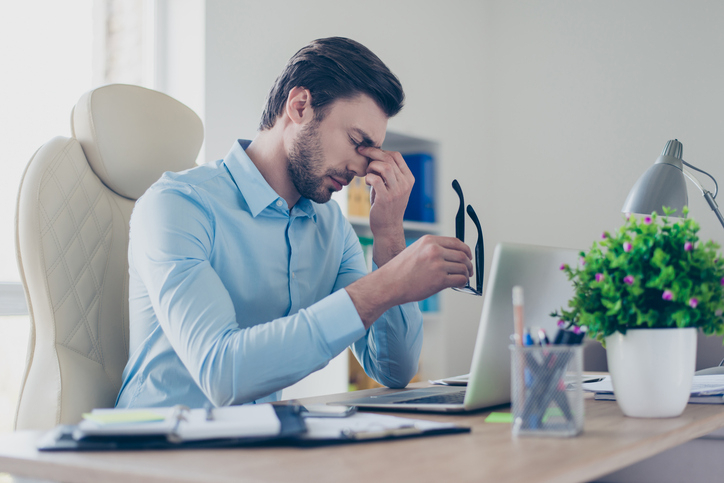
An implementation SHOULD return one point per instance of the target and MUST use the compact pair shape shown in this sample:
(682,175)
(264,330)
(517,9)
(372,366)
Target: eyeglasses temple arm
(460,217)
(479,251)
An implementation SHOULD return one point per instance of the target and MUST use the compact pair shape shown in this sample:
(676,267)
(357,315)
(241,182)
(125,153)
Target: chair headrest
(131,135)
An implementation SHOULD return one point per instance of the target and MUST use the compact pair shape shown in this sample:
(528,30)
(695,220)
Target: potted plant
(644,291)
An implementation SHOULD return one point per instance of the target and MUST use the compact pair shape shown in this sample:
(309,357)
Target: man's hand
(431,264)
(391,181)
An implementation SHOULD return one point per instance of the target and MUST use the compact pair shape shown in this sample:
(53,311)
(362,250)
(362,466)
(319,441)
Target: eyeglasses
(479,249)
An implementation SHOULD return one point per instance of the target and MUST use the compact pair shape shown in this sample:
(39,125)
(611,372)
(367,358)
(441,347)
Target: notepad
(182,424)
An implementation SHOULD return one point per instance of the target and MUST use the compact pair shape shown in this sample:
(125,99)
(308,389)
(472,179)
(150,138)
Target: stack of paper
(707,389)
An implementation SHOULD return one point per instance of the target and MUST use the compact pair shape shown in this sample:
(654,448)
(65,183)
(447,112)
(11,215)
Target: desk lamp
(663,184)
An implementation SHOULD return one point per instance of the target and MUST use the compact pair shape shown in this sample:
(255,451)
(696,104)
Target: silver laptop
(546,288)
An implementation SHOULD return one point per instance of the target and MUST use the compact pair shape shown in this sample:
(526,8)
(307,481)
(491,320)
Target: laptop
(546,288)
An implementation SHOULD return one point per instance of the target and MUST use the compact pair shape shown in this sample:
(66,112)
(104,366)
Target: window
(46,53)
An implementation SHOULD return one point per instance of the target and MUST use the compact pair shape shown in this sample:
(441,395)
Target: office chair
(73,210)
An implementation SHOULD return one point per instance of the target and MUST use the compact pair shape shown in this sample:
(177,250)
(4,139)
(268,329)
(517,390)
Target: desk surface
(609,442)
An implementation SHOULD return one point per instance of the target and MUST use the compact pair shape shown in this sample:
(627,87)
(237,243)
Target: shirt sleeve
(170,245)
(390,350)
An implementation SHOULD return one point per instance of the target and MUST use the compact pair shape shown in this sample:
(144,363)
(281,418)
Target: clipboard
(140,436)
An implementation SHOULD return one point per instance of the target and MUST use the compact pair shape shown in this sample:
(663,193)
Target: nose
(359,165)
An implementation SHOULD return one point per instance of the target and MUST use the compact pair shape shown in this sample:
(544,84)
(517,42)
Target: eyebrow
(366,140)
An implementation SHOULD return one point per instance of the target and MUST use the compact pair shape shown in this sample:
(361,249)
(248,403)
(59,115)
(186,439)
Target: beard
(306,161)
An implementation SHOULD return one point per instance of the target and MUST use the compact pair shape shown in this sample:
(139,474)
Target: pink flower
(604,235)
(627,247)
(583,261)
(693,301)
(648,220)
(564,266)
(628,216)
(628,280)
(688,246)
(561,323)
(722,281)
(599,277)
(667,295)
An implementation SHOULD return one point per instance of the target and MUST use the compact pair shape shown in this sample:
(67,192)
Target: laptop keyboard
(450,398)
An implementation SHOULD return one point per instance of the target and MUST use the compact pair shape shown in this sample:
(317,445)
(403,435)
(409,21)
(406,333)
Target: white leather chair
(73,210)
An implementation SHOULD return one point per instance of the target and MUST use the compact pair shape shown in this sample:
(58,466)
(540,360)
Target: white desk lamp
(663,184)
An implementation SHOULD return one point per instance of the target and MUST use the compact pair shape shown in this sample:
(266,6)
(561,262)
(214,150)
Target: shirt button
(279,203)
(293,275)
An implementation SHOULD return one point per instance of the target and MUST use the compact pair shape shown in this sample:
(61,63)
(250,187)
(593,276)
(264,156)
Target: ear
(299,105)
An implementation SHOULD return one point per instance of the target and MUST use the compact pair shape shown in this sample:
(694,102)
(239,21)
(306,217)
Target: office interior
(546,111)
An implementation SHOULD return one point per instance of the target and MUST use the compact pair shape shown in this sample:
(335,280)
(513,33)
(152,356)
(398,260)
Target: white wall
(546,111)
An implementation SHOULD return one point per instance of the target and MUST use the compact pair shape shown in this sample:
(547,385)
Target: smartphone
(325,411)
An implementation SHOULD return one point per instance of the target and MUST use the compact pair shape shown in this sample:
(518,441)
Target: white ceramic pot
(652,370)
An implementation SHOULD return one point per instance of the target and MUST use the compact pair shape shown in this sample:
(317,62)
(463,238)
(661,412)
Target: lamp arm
(712,204)
(707,195)
(716,185)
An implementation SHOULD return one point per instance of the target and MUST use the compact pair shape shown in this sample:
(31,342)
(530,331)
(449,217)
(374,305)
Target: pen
(527,338)
(543,338)
(209,411)
(406,430)
(518,313)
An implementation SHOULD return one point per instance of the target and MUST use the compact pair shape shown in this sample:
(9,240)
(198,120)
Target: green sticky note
(124,417)
(499,418)
(552,413)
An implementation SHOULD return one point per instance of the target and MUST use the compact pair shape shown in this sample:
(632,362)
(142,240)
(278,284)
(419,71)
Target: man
(243,279)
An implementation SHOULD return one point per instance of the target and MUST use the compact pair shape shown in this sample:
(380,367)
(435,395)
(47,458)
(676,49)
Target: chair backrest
(74,206)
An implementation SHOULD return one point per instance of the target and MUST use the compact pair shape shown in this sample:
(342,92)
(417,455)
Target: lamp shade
(663,184)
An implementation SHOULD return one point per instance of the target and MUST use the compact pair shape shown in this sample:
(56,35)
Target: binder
(421,206)
(178,428)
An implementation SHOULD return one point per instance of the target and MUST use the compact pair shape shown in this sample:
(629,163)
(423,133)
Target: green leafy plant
(652,273)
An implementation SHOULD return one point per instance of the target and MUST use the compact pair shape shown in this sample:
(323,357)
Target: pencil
(518,314)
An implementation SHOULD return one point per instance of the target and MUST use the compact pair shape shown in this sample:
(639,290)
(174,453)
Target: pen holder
(546,389)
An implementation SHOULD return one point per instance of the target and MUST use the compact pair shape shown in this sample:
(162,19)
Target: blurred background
(547,111)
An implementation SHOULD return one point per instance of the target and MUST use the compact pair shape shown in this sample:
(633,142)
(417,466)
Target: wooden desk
(489,453)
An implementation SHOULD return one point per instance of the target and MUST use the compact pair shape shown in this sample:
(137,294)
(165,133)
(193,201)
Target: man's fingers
(391,157)
(452,243)
(384,170)
(457,280)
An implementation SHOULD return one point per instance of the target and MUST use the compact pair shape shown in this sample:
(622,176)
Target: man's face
(323,157)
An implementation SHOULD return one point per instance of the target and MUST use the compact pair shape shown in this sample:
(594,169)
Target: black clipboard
(61,438)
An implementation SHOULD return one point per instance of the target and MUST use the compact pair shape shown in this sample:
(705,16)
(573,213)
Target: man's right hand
(431,264)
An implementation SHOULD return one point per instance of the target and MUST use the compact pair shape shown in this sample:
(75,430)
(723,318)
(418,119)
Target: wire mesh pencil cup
(546,390)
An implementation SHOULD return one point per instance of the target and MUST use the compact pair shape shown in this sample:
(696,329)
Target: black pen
(543,338)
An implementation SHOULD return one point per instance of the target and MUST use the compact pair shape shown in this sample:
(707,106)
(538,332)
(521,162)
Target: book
(421,205)
(358,198)
(367,248)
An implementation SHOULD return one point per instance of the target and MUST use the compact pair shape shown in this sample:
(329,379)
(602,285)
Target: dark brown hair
(334,68)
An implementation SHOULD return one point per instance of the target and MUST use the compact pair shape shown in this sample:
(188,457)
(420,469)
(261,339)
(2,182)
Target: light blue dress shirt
(234,297)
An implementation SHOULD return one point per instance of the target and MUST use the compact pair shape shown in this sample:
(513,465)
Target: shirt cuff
(338,320)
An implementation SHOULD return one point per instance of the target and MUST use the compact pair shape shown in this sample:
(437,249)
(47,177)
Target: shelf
(416,227)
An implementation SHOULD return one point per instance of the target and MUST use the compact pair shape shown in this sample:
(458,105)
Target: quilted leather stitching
(97,214)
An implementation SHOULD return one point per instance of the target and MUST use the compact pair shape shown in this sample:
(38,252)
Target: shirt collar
(252,185)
